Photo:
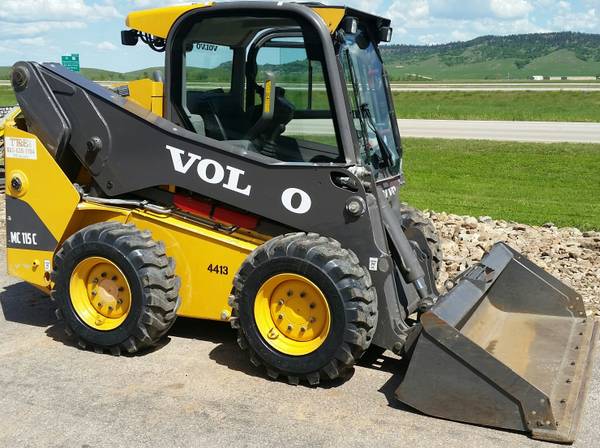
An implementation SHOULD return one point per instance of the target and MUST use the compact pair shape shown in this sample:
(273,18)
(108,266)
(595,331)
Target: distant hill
(498,57)
(517,56)
(94,74)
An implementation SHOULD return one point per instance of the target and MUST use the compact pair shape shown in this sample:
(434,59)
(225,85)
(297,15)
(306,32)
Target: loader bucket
(509,347)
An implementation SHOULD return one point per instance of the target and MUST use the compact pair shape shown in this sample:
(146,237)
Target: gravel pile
(567,253)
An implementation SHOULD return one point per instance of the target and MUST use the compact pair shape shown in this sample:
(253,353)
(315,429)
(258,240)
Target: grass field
(7,98)
(498,105)
(532,183)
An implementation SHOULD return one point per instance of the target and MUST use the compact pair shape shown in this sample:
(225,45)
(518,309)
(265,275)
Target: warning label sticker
(20,148)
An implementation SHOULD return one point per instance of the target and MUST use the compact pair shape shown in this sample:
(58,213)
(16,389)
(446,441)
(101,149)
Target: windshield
(372,107)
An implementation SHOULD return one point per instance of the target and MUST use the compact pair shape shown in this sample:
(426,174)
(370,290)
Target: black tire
(421,231)
(149,272)
(349,293)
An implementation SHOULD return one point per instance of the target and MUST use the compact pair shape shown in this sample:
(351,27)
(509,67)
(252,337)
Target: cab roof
(159,21)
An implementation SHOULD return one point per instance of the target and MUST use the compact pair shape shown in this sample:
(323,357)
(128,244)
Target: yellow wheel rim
(100,293)
(292,314)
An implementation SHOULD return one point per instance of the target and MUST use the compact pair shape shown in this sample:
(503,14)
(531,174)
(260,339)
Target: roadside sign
(71,62)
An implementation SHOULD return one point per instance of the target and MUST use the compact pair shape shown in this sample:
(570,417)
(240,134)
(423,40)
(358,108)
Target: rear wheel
(115,288)
(304,308)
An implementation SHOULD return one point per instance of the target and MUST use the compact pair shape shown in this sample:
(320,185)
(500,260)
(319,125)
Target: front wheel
(304,308)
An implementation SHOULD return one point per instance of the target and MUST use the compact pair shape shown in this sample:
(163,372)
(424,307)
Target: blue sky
(42,30)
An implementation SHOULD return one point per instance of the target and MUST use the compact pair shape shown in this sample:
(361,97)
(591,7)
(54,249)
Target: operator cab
(250,81)
(261,81)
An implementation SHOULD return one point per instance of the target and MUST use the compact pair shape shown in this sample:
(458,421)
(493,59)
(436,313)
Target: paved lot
(519,131)
(199,390)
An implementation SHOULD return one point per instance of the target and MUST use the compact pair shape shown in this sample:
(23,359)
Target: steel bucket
(509,346)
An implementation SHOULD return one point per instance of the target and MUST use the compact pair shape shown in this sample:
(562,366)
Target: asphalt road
(524,131)
(199,390)
(445,87)
(501,86)
(453,87)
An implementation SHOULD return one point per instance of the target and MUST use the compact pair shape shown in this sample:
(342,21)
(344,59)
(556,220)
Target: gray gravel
(198,389)
(567,253)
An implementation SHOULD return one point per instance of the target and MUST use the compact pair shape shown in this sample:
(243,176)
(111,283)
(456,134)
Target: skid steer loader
(256,183)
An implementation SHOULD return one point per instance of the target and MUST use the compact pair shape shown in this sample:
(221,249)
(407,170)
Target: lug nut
(114,278)
(281,302)
(121,289)
(290,293)
(99,304)
(313,320)
(313,305)
(302,329)
(302,294)
(110,308)
(94,292)
(280,317)
(95,280)
(103,274)
(120,301)
(290,327)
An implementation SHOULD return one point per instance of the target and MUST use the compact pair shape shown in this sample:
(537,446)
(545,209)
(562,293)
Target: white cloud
(510,9)
(9,29)
(459,9)
(583,21)
(439,21)
(32,41)
(5,47)
(106,46)
(564,5)
(460,35)
(20,11)
(408,13)
(101,46)
(157,3)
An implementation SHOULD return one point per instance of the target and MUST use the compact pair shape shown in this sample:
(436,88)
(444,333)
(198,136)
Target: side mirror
(129,37)
(350,25)
(385,34)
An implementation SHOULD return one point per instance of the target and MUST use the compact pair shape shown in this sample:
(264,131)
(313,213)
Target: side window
(300,82)
(251,82)
(208,73)
(301,78)
(208,66)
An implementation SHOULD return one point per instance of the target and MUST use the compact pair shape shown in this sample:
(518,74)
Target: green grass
(499,105)
(532,183)
(7,97)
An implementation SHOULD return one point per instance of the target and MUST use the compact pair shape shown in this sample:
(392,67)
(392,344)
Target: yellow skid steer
(255,181)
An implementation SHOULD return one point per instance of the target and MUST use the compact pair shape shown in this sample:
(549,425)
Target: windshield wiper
(385,150)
